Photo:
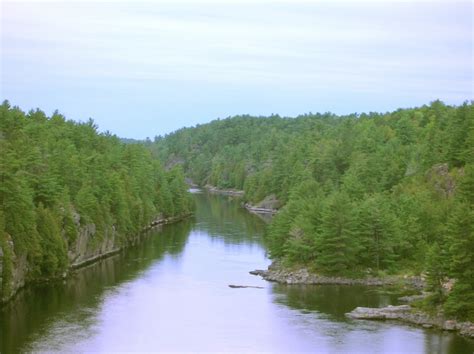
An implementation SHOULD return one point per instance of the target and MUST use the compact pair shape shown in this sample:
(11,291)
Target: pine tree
(376,234)
(436,270)
(460,301)
(336,246)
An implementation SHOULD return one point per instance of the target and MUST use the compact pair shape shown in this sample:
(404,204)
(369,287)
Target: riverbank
(266,208)
(230,191)
(159,221)
(410,315)
(403,313)
(269,205)
(280,274)
(83,251)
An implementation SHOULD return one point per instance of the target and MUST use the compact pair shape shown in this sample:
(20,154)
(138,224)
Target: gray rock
(406,313)
(280,274)
(449,325)
(368,313)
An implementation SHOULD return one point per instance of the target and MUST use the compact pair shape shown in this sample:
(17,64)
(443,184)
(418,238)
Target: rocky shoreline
(80,254)
(257,210)
(277,273)
(269,205)
(231,192)
(407,314)
(404,313)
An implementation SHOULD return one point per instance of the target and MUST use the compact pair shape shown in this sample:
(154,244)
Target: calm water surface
(171,294)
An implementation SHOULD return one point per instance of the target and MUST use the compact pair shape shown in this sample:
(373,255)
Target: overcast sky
(141,69)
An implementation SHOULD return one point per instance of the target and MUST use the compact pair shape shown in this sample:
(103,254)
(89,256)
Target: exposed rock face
(269,205)
(19,266)
(280,274)
(82,250)
(406,313)
(442,180)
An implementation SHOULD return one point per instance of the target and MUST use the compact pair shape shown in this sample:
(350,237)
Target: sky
(147,68)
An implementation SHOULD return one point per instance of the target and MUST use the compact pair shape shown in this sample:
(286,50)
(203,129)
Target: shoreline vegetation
(264,207)
(223,191)
(95,258)
(369,193)
(155,224)
(70,195)
(408,314)
(279,273)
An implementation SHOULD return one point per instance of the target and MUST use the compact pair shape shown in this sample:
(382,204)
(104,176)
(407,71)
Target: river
(170,293)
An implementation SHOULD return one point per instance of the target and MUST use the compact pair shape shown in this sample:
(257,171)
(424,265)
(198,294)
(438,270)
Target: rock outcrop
(407,314)
(269,205)
(277,273)
(17,269)
(86,248)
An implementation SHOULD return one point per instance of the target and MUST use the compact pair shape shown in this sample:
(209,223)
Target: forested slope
(362,194)
(69,194)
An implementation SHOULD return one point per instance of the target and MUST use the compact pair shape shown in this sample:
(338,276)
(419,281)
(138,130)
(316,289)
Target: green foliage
(376,233)
(461,232)
(53,246)
(54,172)
(6,257)
(336,245)
(370,193)
(436,273)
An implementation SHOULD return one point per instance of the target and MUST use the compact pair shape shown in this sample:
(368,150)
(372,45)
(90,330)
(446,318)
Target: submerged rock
(245,286)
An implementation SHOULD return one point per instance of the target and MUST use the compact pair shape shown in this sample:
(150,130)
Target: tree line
(375,193)
(54,171)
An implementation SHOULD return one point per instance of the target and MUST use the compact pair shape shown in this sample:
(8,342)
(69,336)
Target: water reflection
(332,300)
(170,293)
(222,217)
(72,304)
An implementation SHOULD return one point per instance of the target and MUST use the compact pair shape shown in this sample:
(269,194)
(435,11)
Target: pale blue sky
(147,68)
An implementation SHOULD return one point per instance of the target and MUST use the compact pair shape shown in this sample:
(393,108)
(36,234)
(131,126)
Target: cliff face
(85,248)
(13,270)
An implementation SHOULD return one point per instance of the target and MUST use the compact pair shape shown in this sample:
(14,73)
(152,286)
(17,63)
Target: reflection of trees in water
(80,295)
(333,300)
(223,217)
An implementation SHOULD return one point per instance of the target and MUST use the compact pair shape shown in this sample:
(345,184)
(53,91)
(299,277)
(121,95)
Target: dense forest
(360,194)
(58,176)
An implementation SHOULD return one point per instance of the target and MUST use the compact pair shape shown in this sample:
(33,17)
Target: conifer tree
(336,246)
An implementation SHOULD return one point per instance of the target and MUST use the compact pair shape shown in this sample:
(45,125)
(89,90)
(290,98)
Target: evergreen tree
(376,233)
(460,301)
(336,245)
